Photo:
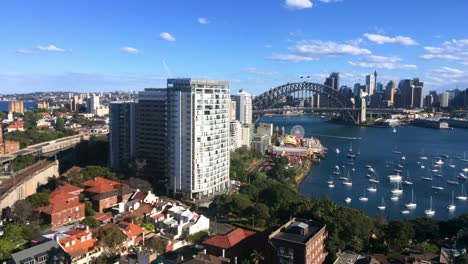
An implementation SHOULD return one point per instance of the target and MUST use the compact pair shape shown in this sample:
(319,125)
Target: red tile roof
(102,217)
(62,198)
(101,185)
(65,189)
(230,239)
(76,247)
(158,216)
(130,229)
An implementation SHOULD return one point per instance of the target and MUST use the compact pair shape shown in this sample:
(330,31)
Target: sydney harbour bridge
(281,99)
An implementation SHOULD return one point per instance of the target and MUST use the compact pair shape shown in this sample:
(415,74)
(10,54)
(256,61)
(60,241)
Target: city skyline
(109,46)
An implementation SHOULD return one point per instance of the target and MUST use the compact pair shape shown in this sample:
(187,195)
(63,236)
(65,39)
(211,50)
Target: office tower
(16,107)
(93,103)
(122,134)
(243,107)
(235,134)
(357,89)
(151,136)
(198,136)
(407,93)
(379,88)
(444,99)
(418,93)
(333,81)
(428,101)
(398,99)
(390,92)
(370,84)
(461,99)
(232,113)
(435,98)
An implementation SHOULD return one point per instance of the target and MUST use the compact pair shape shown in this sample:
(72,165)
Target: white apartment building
(243,107)
(235,131)
(198,135)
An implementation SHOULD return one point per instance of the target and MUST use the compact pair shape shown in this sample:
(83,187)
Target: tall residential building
(243,107)
(444,99)
(407,93)
(198,137)
(235,135)
(151,136)
(370,84)
(122,134)
(93,103)
(333,81)
(357,89)
(233,111)
(390,92)
(418,93)
(16,107)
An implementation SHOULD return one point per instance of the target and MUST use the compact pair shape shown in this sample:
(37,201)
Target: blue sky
(256,44)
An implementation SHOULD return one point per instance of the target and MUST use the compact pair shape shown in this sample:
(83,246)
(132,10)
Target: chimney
(235,260)
(223,253)
(87,228)
(204,251)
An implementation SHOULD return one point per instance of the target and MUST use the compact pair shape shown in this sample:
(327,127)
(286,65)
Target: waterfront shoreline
(305,171)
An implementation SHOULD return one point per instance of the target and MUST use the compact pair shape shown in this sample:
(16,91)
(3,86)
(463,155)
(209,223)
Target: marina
(395,170)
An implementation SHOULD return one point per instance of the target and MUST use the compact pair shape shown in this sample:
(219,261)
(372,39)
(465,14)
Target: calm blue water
(30,105)
(376,147)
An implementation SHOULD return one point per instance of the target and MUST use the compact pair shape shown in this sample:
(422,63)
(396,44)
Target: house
(65,206)
(16,125)
(105,193)
(298,239)
(103,218)
(234,245)
(42,253)
(79,244)
(198,224)
(134,233)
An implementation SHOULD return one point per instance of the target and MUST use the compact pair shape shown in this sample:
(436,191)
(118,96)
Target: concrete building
(418,93)
(235,134)
(333,81)
(122,137)
(93,103)
(298,241)
(265,129)
(16,107)
(444,99)
(390,92)
(247,135)
(243,107)
(233,110)
(370,84)
(260,143)
(198,136)
(152,144)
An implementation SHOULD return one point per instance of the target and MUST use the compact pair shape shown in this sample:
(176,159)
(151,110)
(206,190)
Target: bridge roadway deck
(335,109)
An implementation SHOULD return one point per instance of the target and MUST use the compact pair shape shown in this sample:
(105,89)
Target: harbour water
(379,148)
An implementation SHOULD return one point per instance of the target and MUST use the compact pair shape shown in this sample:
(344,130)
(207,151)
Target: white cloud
(268,46)
(25,52)
(440,57)
(130,50)
(448,76)
(318,48)
(382,62)
(298,4)
(51,48)
(290,58)
(203,20)
(381,39)
(434,49)
(167,36)
(330,1)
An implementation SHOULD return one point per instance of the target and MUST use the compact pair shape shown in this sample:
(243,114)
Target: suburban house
(64,207)
(134,233)
(79,244)
(40,254)
(234,245)
(105,193)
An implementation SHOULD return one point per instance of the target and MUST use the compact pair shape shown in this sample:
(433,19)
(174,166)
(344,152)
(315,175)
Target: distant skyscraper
(243,107)
(357,89)
(370,84)
(122,134)
(390,92)
(198,137)
(333,81)
(407,93)
(418,93)
(233,110)
(93,103)
(444,99)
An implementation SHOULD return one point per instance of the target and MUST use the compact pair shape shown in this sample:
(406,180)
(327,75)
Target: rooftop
(230,239)
(101,185)
(297,231)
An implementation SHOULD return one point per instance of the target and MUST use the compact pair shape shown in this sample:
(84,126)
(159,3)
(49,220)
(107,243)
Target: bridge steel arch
(269,99)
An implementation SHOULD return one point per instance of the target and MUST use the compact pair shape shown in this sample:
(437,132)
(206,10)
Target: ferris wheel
(297,131)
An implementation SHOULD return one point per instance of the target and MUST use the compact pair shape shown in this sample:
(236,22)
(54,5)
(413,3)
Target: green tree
(22,162)
(14,233)
(106,258)
(22,211)
(149,226)
(60,124)
(6,248)
(89,209)
(157,244)
(198,238)
(38,199)
(110,237)
(256,257)
(399,234)
(91,222)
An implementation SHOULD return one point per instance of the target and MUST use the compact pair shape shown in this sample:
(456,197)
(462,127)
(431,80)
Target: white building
(198,137)
(235,132)
(370,84)
(247,135)
(93,103)
(243,107)
(265,129)
(232,114)
(444,99)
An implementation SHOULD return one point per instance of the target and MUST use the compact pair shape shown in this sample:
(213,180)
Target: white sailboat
(382,206)
(462,196)
(408,180)
(405,212)
(396,151)
(430,211)
(364,198)
(454,180)
(427,177)
(337,151)
(452,207)
(437,187)
(395,177)
(348,181)
(331,184)
(397,190)
(347,200)
(394,198)
(394,129)
(422,157)
(439,162)
(462,176)
(372,188)
(350,152)
(411,205)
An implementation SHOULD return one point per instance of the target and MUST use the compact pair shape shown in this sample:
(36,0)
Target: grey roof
(32,252)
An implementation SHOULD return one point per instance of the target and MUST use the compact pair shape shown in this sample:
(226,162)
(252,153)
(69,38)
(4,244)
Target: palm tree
(256,257)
